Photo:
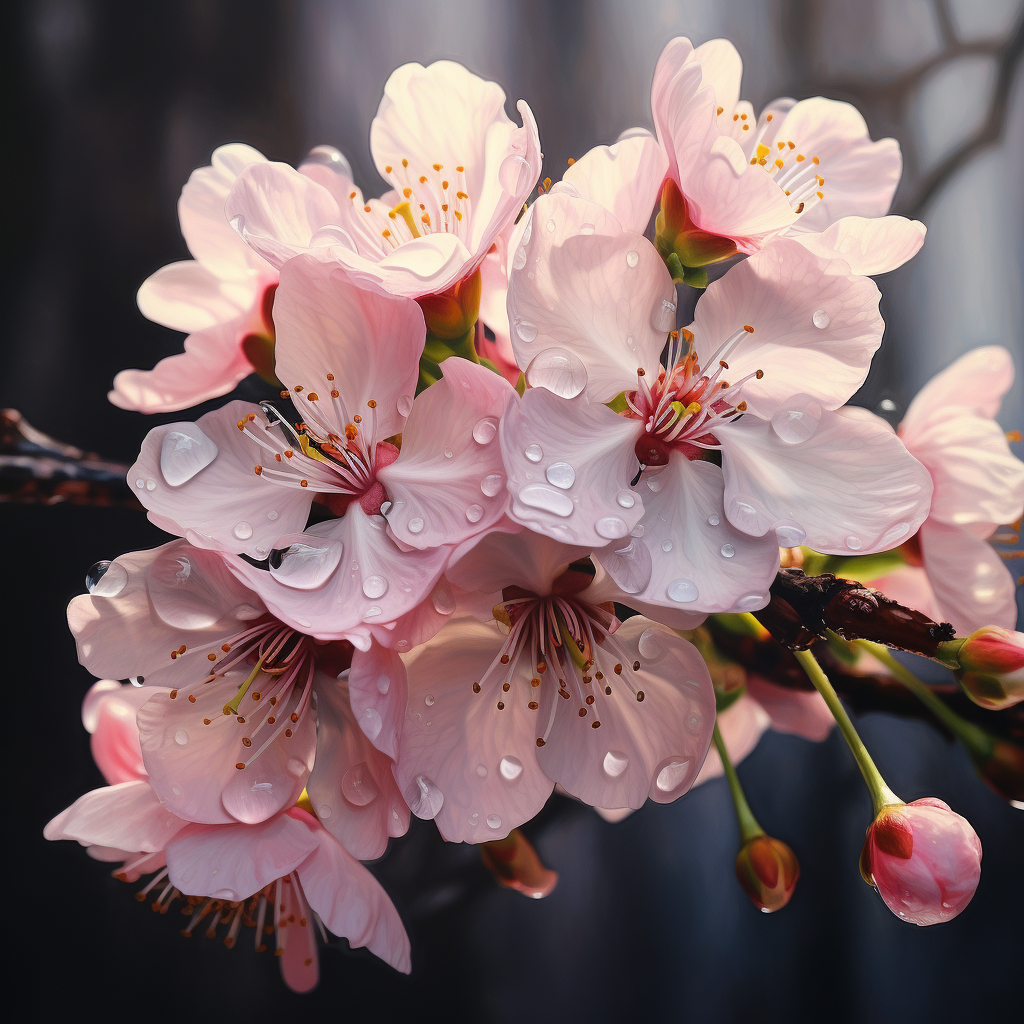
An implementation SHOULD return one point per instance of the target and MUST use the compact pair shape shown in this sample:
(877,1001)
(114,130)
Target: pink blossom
(924,859)
(953,574)
(242,479)
(460,171)
(224,726)
(794,334)
(549,687)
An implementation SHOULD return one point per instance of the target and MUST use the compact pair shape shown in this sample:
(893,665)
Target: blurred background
(112,105)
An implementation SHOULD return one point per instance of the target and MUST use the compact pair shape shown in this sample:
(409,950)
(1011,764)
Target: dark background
(112,105)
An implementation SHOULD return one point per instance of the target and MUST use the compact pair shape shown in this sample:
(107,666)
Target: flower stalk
(750,828)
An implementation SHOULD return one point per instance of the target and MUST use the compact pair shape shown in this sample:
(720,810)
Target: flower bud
(768,871)
(991,668)
(1003,771)
(453,313)
(924,859)
(514,863)
(685,247)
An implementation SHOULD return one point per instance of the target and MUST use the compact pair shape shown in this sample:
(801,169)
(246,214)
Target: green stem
(749,826)
(973,737)
(881,794)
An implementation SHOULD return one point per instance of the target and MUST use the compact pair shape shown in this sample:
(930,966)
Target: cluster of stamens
(279,683)
(681,409)
(564,641)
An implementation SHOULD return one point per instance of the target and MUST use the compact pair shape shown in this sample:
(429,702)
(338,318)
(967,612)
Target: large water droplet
(682,590)
(491,484)
(821,319)
(546,499)
(371,723)
(181,737)
(789,534)
(728,551)
(485,429)
(426,799)
(672,773)
(184,452)
(654,482)
(663,316)
(514,176)
(534,452)
(650,645)
(106,579)
(561,474)
(632,258)
(560,371)
(307,564)
(493,821)
(510,767)
(475,513)
(519,259)
(797,420)
(611,527)
(404,405)
(525,331)
(375,586)
(358,785)
(751,602)
(415,525)
(615,763)
(627,499)
(443,598)
(854,543)
(895,533)
(243,531)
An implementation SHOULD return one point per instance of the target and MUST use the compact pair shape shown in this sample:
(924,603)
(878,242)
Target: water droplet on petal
(789,534)
(510,767)
(615,763)
(550,225)
(672,773)
(534,452)
(821,319)
(666,545)
(682,590)
(632,258)
(854,543)
(475,513)
(307,564)
(272,515)
(519,260)
(106,579)
(525,330)
(358,785)
(404,405)
(448,453)
(895,533)
(728,551)
(491,484)
(561,474)
(546,499)
(484,431)
(243,531)
(375,586)
(181,737)
(184,452)
(371,723)
(650,643)
(415,525)
(586,229)
(373,611)
(493,821)
(560,371)
(654,482)
(751,602)
(713,520)
(324,811)
(514,176)
(797,420)
(611,527)
(150,485)
(426,799)
(442,597)
(663,316)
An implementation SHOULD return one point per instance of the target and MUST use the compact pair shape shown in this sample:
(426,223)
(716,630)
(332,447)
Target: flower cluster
(464,551)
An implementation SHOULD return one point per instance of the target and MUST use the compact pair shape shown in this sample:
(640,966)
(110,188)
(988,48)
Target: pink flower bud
(992,667)
(768,871)
(924,859)
(514,863)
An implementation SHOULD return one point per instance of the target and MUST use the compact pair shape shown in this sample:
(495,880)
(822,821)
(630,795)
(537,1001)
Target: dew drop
(789,534)
(484,431)
(272,515)
(797,420)
(649,645)
(383,683)
(404,405)
(519,260)
(550,225)
(358,785)
(561,474)
(426,800)
(375,586)
(514,176)
(184,453)
(632,258)
(683,591)
(181,737)
(611,527)
(475,513)
(728,551)
(150,485)
(402,645)
(547,500)
(560,371)
(895,533)
(615,763)
(443,599)
(672,773)
(713,520)
(854,543)
(385,508)
(534,452)
(751,602)
(663,316)
(371,723)
(493,821)
(324,811)
(106,579)
(373,611)
(638,530)
(243,531)
(307,564)
(491,484)
(525,330)
(666,545)
(415,525)
(448,453)
(821,319)
(510,767)
(655,482)
(586,229)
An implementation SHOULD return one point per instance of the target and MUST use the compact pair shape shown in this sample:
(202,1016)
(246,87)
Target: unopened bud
(680,241)
(514,863)
(453,313)
(768,871)
(991,666)
(924,859)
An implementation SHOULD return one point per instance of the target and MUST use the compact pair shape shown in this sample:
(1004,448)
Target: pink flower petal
(351,786)
(849,487)
(378,689)
(604,588)
(462,760)
(586,292)
(977,381)
(329,168)
(784,293)
(569,466)
(868,246)
(296,938)
(802,712)
(742,725)
(232,862)
(115,734)
(652,746)
(701,562)
(722,68)
(189,297)
(349,900)
(448,483)
(127,816)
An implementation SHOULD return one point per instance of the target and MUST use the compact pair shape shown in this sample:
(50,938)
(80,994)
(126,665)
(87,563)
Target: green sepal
(618,403)
(695,277)
(726,698)
(521,385)
(675,267)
